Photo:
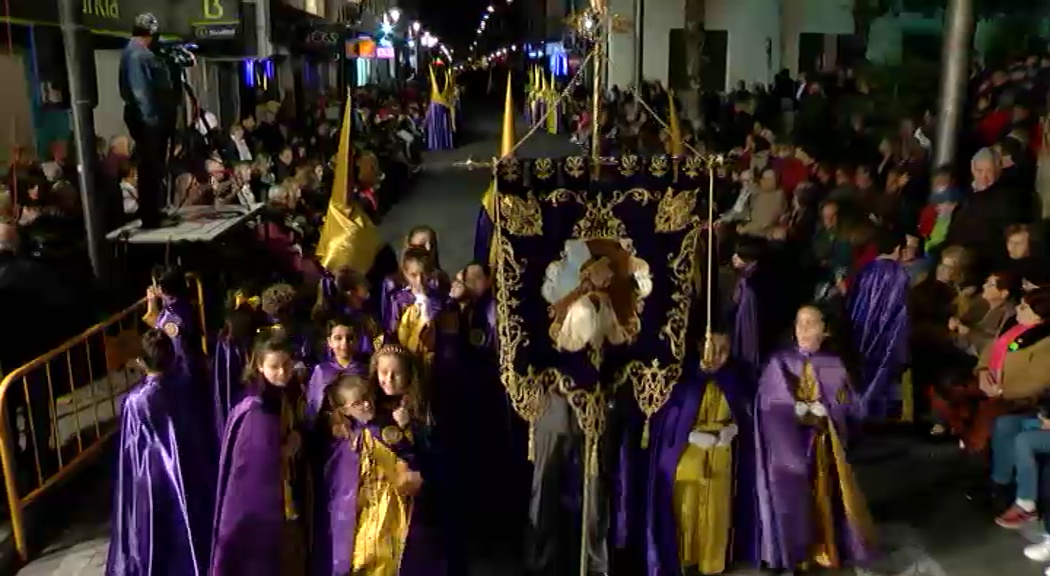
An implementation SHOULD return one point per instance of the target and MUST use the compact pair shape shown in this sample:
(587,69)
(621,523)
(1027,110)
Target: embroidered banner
(595,276)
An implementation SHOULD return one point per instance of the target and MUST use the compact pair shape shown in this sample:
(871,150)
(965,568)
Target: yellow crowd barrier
(57,411)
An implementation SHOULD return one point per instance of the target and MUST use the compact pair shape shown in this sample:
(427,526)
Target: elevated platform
(196,224)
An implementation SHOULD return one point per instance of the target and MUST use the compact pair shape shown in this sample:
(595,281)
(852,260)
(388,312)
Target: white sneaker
(1039,552)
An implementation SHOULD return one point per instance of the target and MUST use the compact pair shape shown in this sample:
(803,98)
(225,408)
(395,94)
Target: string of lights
(483,23)
(415,35)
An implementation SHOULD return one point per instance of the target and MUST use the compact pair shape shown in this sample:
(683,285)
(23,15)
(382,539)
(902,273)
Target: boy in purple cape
(232,348)
(342,343)
(165,480)
(702,513)
(347,293)
(877,302)
(812,512)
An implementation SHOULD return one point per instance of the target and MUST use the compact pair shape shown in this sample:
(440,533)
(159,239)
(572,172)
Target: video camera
(177,54)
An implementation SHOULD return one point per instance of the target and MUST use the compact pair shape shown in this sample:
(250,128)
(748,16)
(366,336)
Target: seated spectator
(1023,256)
(936,217)
(914,259)
(767,207)
(1014,373)
(118,153)
(129,181)
(1033,441)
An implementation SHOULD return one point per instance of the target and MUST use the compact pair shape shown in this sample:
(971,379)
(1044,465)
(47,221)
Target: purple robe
(439,127)
(227,368)
(249,509)
(746,337)
(324,374)
(336,508)
(785,461)
(878,312)
(165,483)
(669,436)
(484,230)
(398,299)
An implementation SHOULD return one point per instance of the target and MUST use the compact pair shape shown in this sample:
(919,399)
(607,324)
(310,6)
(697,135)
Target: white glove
(801,409)
(702,439)
(727,434)
(817,409)
(424,307)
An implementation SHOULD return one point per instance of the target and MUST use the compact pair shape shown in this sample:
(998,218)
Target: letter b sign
(213,9)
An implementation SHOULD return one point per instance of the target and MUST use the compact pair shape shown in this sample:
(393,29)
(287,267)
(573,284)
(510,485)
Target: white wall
(812,17)
(749,24)
(109,114)
(621,46)
(16,116)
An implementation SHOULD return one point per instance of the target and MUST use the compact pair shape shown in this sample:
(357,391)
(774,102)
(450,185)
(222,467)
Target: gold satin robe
(383,512)
(413,333)
(703,490)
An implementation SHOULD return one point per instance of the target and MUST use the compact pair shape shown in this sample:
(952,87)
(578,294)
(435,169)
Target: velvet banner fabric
(595,268)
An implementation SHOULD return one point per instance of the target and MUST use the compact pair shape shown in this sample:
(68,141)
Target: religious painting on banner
(595,279)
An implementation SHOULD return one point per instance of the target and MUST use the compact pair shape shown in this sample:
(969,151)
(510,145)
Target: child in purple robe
(812,513)
(347,293)
(701,512)
(342,343)
(412,309)
(279,302)
(232,348)
(165,478)
(420,241)
(257,528)
(363,512)
(168,308)
(394,375)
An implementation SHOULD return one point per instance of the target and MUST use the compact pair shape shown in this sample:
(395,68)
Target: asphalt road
(916,489)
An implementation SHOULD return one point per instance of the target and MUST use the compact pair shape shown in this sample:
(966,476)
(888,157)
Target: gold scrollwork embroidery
(509,169)
(521,216)
(693,166)
(590,410)
(543,168)
(675,210)
(658,166)
(599,221)
(629,165)
(575,166)
(682,268)
(652,387)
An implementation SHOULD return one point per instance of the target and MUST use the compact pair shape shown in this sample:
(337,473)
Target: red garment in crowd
(991,127)
(927,219)
(369,195)
(792,173)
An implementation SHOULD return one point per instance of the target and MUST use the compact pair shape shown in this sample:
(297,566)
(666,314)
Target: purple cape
(669,436)
(324,374)
(484,230)
(249,507)
(187,343)
(165,481)
(336,508)
(746,338)
(784,479)
(438,127)
(878,312)
(227,368)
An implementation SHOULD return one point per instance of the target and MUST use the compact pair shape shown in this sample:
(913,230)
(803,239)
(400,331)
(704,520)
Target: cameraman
(145,87)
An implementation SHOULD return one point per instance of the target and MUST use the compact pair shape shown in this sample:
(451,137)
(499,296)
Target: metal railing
(57,411)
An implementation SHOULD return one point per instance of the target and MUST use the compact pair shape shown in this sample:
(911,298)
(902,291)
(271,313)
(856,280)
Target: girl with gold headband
(258,530)
(394,376)
(812,513)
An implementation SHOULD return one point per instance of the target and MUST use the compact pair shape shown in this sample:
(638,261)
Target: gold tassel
(592,457)
(645,434)
(907,398)
(287,422)
(532,441)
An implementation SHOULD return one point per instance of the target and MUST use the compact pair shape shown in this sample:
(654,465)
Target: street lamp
(416,26)
(395,14)
(490,8)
